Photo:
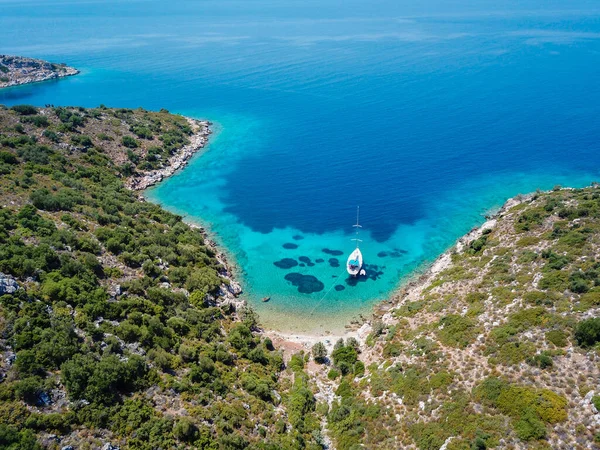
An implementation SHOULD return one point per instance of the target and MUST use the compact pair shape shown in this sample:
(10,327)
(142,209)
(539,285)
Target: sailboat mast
(357,226)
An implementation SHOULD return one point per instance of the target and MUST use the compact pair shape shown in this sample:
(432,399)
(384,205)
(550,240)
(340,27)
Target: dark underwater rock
(332,252)
(306,284)
(290,246)
(286,263)
(334,262)
(306,260)
(394,254)
(339,287)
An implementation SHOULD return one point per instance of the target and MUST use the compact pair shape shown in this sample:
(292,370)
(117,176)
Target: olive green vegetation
(116,311)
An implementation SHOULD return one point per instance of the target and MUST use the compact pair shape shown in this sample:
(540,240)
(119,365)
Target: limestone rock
(8,285)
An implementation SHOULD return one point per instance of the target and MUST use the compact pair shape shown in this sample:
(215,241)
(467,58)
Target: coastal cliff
(17,70)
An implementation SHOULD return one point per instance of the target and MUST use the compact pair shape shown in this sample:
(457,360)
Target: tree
(352,342)
(185,430)
(319,352)
(587,332)
(129,142)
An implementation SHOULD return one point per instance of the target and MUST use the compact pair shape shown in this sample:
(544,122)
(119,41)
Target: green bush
(333,374)
(101,381)
(8,158)
(129,142)
(25,110)
(457,331)
(587,332)
(185,430)
(37,120)
(529,408)
(557,337)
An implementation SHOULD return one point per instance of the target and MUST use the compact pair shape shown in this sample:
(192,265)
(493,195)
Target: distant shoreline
(18,71)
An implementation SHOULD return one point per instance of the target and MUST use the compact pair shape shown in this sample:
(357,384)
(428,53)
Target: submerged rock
(332,252)
(306,284)
(339,287)
(394,254)
(290,246)
(306,260)
(297,237)
(286,263)
(334,262)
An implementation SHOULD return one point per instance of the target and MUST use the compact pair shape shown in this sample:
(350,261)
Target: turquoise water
(426,114)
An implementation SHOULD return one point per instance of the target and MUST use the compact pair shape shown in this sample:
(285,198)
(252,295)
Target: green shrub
(8,158)
(129,142)
(37,120)
(333,374)
(542,360)
(557,337)
(25,110)
(457,331)
(82,140)
(319,352)
(587,332)
(185,430)
(529,408)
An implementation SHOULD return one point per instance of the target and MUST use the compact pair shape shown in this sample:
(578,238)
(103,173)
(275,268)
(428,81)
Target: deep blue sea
(427,114)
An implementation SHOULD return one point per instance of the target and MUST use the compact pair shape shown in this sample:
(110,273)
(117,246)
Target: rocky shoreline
(408,291)
(17,70)
(144,180)
(292,342)
(231,290)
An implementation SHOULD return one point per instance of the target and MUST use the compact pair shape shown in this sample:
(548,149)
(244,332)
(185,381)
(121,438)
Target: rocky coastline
(231,289)
(407,291)
(18,70)
(198,141)
(360,329)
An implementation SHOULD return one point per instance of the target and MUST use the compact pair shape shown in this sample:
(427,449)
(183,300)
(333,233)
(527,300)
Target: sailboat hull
(354,263)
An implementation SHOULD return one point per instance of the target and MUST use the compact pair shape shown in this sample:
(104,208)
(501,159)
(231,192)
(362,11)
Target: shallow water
(426,115)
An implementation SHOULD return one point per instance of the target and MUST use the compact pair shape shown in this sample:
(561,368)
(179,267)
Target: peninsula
(17,70)
(121,327)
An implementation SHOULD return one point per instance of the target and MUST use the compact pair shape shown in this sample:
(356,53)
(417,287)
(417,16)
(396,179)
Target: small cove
(426,120)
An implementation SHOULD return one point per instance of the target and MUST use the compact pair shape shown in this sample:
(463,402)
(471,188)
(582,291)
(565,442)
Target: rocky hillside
(119,325)
(497,346)
(15,70)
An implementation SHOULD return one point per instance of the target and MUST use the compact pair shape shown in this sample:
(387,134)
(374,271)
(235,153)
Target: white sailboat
(355,260)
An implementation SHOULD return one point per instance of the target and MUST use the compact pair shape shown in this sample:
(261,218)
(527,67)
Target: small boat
(355,260)
(266,299)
